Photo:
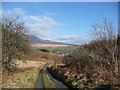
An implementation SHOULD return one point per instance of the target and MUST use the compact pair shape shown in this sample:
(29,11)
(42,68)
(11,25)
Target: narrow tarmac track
(40,81)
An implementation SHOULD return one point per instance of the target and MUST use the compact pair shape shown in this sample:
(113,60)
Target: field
(48,45)
(62,50)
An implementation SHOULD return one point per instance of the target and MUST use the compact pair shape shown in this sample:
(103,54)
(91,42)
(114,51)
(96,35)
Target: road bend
(40,81)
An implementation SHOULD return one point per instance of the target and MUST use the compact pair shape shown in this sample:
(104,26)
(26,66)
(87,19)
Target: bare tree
(118,45)
(14,24)
(105,36)
(14,44)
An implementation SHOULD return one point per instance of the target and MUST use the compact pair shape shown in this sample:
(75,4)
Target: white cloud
(40,33)
(43,20)
(19,11)
(0,13)
(50,21)
(73,39)
(41,25)
(15,11)
(68,37)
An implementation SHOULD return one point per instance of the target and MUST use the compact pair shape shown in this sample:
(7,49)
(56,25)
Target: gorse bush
(14,44)
(44,50)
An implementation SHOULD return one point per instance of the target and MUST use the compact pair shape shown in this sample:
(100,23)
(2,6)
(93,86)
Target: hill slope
(36,40)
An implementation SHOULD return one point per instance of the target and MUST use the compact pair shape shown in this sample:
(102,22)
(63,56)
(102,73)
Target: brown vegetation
(48,45)
(48,56)
(14,44)
(98,60)
(22,67)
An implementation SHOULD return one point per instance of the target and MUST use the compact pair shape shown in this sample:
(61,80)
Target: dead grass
(48,45)
(21,64)
(47,81)
(27,72)
(42,60)
(23,78)
(44,55)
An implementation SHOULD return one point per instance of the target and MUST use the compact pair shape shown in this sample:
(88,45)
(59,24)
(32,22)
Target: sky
(68,22)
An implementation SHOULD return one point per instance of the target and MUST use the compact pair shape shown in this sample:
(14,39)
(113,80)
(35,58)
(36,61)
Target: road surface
(40,81)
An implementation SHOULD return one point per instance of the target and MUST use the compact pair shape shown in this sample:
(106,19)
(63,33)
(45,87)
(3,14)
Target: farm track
(40,80)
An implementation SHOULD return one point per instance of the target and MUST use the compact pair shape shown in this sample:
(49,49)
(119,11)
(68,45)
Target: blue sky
(68,22)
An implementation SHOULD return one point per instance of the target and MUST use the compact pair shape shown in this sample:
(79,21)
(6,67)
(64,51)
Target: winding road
(40,81)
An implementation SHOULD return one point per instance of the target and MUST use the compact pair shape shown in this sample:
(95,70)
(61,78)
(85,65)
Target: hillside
(36,40)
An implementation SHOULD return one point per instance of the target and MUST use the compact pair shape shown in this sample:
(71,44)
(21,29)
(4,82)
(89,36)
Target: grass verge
(47,81)
(26,79)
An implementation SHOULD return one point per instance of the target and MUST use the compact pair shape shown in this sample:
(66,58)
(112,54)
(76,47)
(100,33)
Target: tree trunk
(118,54)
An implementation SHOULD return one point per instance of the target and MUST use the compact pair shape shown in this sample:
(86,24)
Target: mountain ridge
(35,40)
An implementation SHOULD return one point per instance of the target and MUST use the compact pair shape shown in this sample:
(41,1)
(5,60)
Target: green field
(60,50)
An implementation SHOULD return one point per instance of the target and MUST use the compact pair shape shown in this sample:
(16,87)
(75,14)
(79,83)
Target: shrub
(14,44)
(44,50)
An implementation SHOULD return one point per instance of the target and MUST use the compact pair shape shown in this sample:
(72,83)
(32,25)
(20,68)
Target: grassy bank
(80,81)
(47,81)
(26,79)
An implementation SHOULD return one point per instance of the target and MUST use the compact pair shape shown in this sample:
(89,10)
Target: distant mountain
(36,40)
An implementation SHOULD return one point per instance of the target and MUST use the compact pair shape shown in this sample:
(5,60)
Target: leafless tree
(14,43)
(118,45)
(106,37)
